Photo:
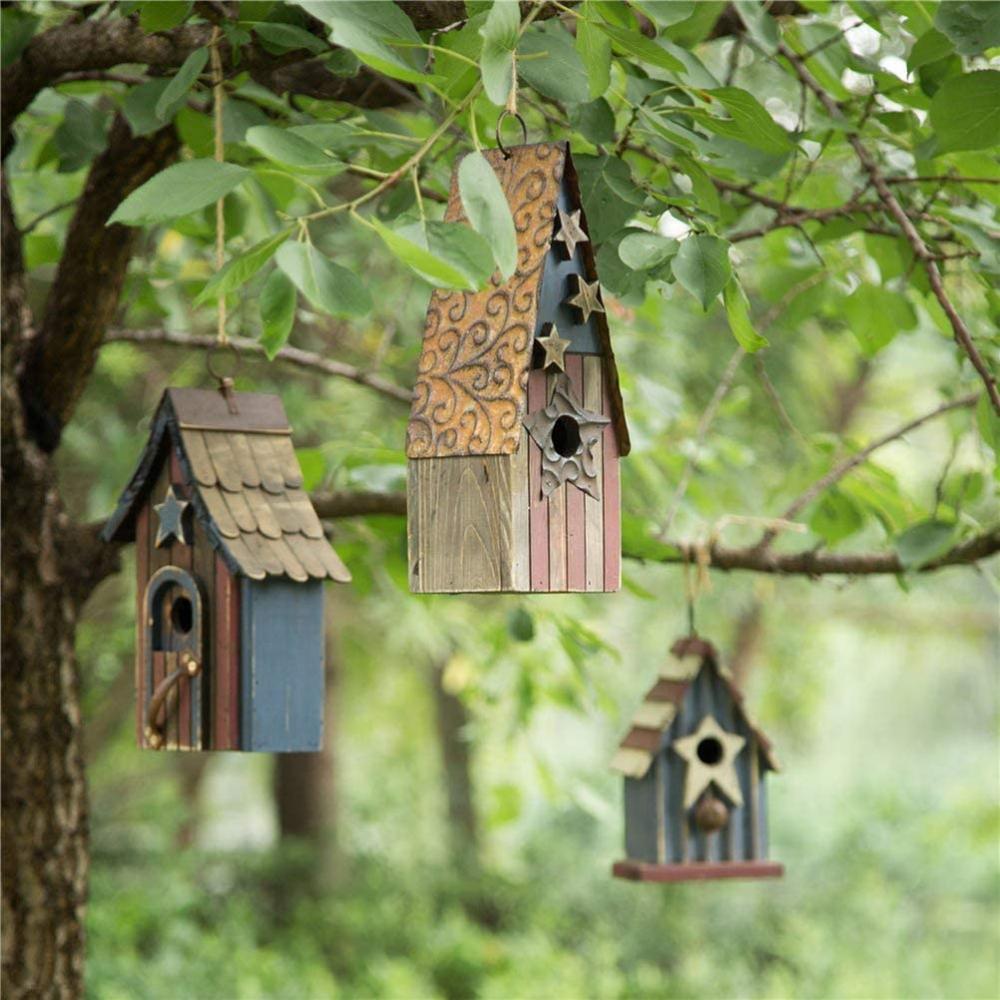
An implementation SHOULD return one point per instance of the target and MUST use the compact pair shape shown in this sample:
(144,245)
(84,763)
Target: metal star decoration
(555,349)
(710,753)
(570,232)
(171,515)
(587,298)
(567,457)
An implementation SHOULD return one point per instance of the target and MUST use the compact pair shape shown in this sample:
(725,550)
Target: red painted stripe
(176,478)
(141,579)
(159,672)
(223,660)
(538,506)
(612,502)
(576,525)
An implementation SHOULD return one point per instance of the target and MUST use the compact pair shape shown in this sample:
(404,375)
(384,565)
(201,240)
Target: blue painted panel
(281,665)
(557,286)
(640,817)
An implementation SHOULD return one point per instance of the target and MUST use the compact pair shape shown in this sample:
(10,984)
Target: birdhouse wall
(281,676)
(657,827)
(200,714)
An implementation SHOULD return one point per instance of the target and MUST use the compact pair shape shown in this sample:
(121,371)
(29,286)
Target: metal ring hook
(210,362)
(504,115)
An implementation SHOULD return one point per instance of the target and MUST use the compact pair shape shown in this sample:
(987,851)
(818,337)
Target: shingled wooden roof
(244,480)
(472,382)
(656,714)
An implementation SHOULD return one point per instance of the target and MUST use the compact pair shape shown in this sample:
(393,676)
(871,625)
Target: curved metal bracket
(189,667)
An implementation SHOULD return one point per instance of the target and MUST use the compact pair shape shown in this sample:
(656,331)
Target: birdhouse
(694,766)
(230,564)
(517,423)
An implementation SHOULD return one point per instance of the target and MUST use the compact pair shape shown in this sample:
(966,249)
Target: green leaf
(311,461)
(644,251)
(929,47)
(80,136)
(751,122)
(241,268)
(594,48)
(965,111)
(760,25)
(176,91)
(631,43)
(444,254)
(499,41)
(988,423)
(738,313)
(160,15)
(521,625)
(17,28)
(702,267)
(974,27)
(139,106)
(610,198)
(639,539)
(876,315)
(924,542)
(665,12)
(595,121)
(291,150)
(178,190)
(277,312)
(487,210)
(836,517)
(281,37)
(329,287)
(556,69)
(370,28)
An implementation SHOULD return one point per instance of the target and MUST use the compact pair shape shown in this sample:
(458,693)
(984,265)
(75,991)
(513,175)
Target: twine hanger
(510,111)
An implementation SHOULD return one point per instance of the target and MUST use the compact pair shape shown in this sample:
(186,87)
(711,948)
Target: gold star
(587,298)
(555,349)
(570,231)
(171,515)
(710,753)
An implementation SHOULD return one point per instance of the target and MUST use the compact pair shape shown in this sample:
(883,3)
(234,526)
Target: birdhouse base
(645,871)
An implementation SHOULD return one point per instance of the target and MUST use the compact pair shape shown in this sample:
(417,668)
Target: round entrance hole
(566,436)
(709,750)
(182,615)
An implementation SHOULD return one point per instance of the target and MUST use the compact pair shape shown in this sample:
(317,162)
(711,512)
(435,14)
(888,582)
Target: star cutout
(171,515)
(587,298)
(570,231)
(710,753)
(555,349)
(567,449)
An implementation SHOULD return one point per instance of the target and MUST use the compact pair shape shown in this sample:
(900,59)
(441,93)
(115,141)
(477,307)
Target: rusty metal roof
(245,482)
(659,708)
(472,381)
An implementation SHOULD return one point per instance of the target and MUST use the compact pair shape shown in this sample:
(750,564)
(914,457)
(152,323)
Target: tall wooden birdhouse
(230,564)
(694,766)
(517,423)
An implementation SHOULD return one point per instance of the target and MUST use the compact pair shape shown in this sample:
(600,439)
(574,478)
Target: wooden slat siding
(465,524)
(557,534)
(640,817)
(225,696)
(538,506)
(594,509)
(178,732)
(414,516)
(520,539)
(576,539)
(141,579)
(659,766)
(754,804)
(158,558)
(204,684)
(612,500)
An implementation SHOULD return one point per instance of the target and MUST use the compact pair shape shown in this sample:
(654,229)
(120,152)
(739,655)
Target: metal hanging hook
(226,380)
(504,115)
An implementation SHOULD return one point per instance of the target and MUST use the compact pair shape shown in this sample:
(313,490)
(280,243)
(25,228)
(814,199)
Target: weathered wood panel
(612,501)
(464,524)
(643,871)
(640,817)
(226,636)
(414,519)
(282,665)
(576,537)
(141,623)
(520,542)
(204,684)
(593,509)
(538,506)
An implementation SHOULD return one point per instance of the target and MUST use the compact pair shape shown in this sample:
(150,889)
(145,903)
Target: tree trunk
(452,723)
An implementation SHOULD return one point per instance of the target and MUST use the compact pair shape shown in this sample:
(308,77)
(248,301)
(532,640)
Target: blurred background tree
(794,207)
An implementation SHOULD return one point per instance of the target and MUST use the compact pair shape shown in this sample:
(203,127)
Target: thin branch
(859,457)
(358,503)
(942,179)
(920,249)
(48,213)
(290,355)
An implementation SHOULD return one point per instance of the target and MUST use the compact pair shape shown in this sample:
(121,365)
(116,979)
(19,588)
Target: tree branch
(290,355)
(88,281)
(920,249)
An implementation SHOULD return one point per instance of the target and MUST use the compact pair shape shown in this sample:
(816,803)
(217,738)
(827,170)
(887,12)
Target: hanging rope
(218,94)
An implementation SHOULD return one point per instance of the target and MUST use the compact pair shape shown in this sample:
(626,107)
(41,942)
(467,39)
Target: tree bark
(452,730)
